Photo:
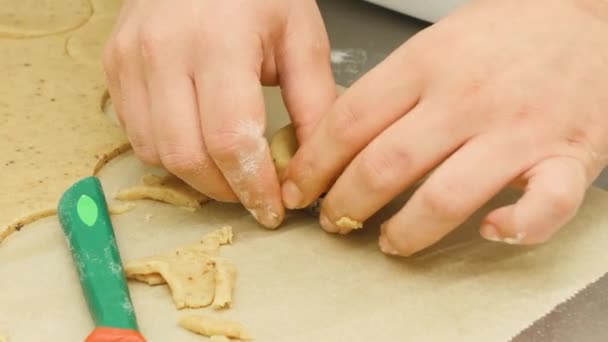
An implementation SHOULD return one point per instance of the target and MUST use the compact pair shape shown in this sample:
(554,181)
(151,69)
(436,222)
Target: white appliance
(428,10)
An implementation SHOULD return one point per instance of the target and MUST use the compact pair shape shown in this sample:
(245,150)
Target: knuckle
(343,125)
(320,49)
(380,168)
(562,202)
(145,152)
(183,161)
(120,47)
(442,201)
(226,146)
(152,42)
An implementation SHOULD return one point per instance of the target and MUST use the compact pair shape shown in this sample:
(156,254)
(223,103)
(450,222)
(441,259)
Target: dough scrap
(283,145)
(151,279)
(120,208)
(212,326)
(190,271)
(3,338)
(214,338)
(225,279)
(168,189)
(349,223)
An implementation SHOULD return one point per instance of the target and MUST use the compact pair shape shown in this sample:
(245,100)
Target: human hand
(496,92)
(186,80)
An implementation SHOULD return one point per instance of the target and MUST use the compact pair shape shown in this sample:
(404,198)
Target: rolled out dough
(34,18)
(52,128)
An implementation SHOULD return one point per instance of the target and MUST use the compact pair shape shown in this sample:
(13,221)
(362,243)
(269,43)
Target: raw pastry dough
(168,189)
(121,208)
(217,338)
(189,271)
(212,326)
(18,19)
(349,223)
(225,279)
(52,128)
(283,146)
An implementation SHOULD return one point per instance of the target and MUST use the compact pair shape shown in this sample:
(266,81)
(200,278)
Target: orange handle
(105,334)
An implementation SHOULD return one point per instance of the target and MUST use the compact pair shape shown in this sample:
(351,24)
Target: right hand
(186,81)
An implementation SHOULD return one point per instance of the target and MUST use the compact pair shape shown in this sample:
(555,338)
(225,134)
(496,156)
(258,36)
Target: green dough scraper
(83,214)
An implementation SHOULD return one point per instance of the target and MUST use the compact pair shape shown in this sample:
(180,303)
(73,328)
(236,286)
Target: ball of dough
(283,145)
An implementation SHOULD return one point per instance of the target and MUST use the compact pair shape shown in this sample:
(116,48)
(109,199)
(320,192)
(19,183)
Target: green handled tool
(84,216)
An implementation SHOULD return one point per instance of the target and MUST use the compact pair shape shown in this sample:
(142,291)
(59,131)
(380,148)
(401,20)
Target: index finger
(371,105)
(231,107)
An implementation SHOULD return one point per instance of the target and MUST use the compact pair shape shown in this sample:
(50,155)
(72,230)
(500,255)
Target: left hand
(496,92)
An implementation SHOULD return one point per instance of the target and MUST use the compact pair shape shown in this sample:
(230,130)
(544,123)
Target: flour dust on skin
(249,166)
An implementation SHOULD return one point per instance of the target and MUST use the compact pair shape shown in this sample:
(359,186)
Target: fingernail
(292,196)
(266,217)
(386,247)
(327,225)
(514,240)
(489,232)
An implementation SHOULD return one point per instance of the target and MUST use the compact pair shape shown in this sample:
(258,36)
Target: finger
(402,154)
(307,80)
(361,113)
(175,120)
(131,97)
(556,188)
(232,112)
(112,83)
(455,190)
(109,59)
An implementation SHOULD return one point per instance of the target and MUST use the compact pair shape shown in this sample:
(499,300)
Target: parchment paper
(301,284)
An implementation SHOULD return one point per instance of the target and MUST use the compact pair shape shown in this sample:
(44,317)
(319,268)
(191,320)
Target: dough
(84,45)
(283,146)
(52,128)
(225,279)
(119,209)
(349,223)
(217,338)
(189,271)
(213,326)
(3,338)
(168,189)
(32,18)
